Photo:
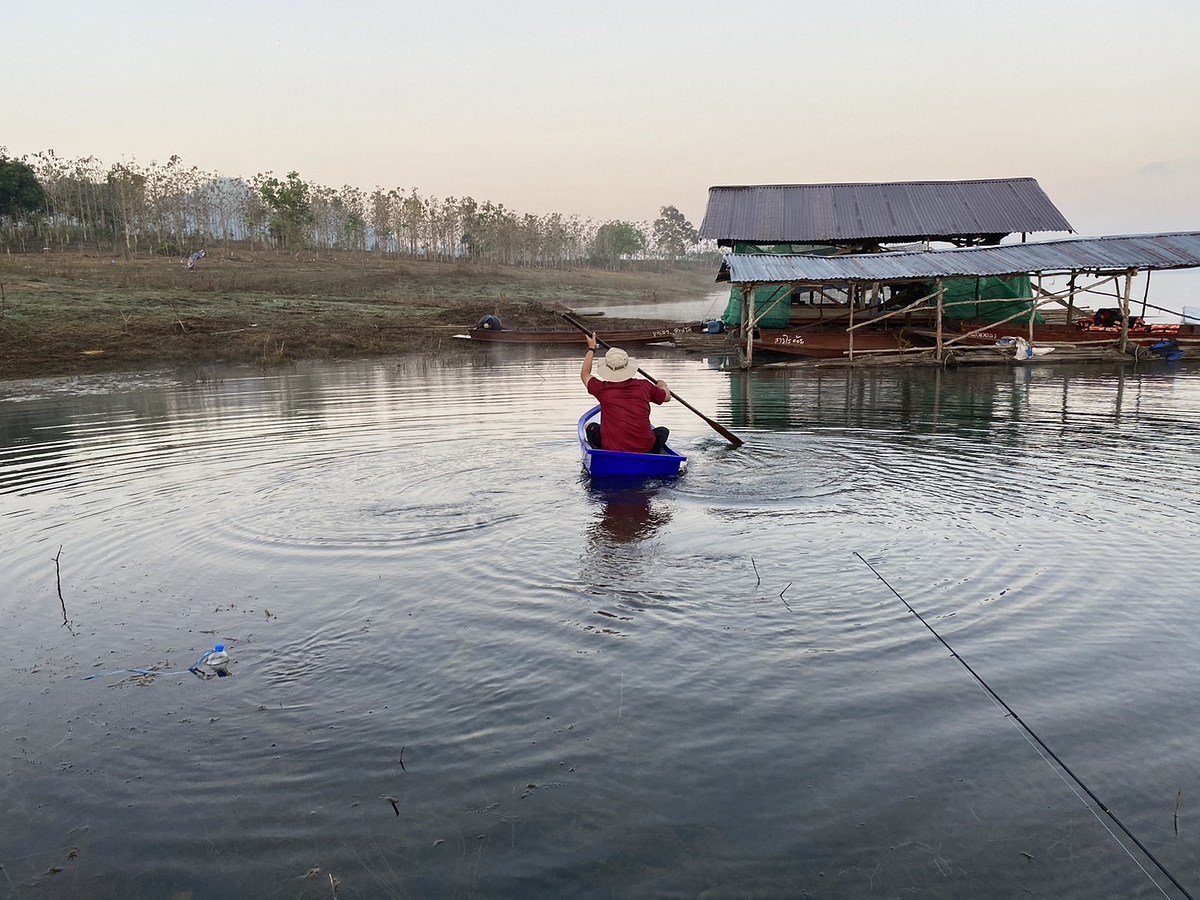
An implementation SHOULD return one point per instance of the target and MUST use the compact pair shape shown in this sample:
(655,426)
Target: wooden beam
(896,312)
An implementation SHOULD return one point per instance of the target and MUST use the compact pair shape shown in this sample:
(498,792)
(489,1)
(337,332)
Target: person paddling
(624,402)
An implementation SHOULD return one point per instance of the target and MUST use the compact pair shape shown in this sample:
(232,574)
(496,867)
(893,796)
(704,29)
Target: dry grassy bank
(63,314)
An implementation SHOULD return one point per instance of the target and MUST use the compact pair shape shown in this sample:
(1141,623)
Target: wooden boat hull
(830,344)
(615,337)
(1061,333)
(614,464)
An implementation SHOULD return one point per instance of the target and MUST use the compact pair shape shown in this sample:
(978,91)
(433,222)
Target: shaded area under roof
(1180,250)
(894,211)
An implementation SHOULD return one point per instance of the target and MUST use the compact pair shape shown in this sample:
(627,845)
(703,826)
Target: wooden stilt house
(831,271)
(841,219)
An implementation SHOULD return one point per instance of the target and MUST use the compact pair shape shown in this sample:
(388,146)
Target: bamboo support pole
(850,329)
(759,316)
(941,308)
(748,321)
(744,311)
(896,350)
(1033,309)
(1125,309)
(1071,291)
(897,312)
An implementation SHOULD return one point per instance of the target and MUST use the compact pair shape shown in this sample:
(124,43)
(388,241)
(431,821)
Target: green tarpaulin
(772,307)
(960,298)
(1006,297)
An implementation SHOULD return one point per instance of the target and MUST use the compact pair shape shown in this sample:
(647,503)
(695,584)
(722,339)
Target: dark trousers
(661,433)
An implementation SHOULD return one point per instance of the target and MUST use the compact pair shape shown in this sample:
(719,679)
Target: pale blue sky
(616,109)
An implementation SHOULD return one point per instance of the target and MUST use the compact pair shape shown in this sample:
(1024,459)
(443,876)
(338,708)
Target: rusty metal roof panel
(906,210)
(1178,250)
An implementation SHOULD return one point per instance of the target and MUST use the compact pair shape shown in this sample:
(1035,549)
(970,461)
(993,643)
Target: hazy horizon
(613,112)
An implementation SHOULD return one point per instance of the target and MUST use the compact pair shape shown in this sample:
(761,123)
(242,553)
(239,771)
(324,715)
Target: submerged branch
(58,579)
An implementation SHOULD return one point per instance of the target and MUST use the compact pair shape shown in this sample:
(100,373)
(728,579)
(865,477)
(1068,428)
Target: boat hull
(1059,333)
(830,344)
(614,464)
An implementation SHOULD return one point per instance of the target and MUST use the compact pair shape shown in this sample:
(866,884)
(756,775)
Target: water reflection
(629,513)
(619,564)
(974,402)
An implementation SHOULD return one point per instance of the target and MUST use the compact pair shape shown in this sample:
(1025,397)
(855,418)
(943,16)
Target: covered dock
(1101,265)
(831,220)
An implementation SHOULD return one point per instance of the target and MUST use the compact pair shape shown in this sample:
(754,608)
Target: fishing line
(194,669)
(997,699)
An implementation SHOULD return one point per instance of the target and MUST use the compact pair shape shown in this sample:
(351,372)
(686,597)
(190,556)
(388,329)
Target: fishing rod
(1016,718)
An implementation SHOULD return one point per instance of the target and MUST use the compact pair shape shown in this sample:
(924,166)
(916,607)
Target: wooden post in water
(1125,309)
(749,324)
(1033,310)
(1070,298)
(940,295)
(850,328)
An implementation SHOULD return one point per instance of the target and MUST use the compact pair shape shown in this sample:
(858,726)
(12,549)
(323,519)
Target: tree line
(50,202)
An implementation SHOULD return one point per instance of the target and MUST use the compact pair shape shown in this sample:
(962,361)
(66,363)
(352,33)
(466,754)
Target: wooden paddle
(716,426)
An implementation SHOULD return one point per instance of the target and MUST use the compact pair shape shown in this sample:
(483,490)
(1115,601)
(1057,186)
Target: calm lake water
(680,690)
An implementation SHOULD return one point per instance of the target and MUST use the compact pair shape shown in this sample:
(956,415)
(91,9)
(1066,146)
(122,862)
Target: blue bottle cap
(220,648)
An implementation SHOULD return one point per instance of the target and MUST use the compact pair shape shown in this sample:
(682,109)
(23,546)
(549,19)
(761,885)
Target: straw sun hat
(616,366)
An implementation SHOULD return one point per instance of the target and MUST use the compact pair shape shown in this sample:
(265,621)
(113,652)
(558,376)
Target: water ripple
(622,688)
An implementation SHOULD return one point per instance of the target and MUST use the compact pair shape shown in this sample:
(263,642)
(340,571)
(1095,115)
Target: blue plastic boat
(613,463)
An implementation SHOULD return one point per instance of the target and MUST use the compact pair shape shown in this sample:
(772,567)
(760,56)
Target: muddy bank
(75,314)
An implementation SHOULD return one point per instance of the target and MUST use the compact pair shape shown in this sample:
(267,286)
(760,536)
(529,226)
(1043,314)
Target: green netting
(962,300)
(772,307)
(961,296)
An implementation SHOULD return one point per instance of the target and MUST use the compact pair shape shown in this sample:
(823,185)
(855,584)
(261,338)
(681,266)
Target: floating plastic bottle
(218,660)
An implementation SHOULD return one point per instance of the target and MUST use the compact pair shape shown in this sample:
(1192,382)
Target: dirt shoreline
(75,314)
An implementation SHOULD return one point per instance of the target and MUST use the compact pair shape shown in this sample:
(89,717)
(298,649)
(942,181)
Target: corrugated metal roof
(1118,253)
(904,210)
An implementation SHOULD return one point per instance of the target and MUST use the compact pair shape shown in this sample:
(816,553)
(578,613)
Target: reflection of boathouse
(919,270)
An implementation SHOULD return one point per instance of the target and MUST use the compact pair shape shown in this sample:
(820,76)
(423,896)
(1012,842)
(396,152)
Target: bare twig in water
(394,802)
(335,884)
(1178,798)
(402,769)
(1028,856)
(784,591)
(58,578)
(756,575)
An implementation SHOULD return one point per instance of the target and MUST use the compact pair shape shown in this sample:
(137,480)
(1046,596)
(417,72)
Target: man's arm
(585,371)
(663,386)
